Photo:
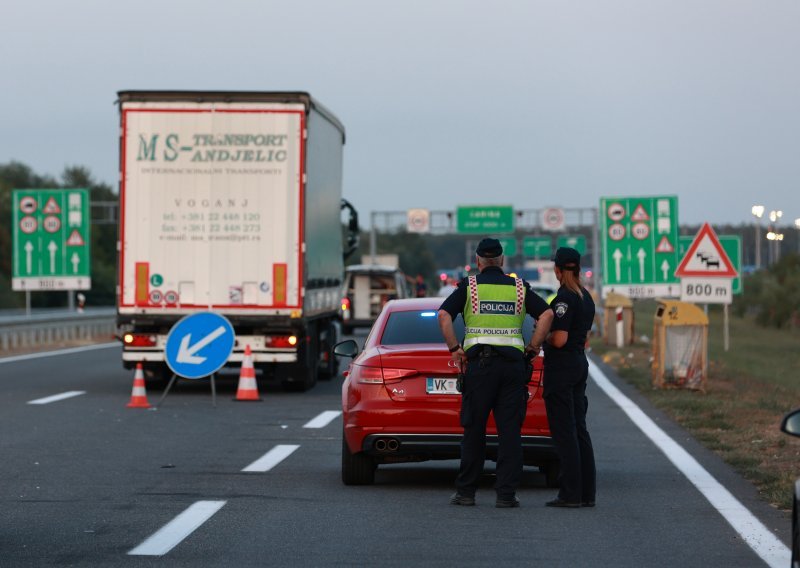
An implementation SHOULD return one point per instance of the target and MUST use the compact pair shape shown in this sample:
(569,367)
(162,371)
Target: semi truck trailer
(230,202)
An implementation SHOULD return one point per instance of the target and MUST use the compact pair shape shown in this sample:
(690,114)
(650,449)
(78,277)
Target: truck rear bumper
(236,357)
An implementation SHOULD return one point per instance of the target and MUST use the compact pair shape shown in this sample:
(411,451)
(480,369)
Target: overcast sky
(446,103)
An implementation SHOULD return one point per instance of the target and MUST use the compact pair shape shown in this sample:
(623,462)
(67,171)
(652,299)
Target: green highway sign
(51,239)
(731,244)
(537,247)
(578,242)
(488,219)
(639,238)
(509,245)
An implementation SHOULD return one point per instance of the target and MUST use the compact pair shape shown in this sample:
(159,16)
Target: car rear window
(417,327)
(403,328)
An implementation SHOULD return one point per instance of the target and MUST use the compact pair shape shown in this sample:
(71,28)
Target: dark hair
(571,279)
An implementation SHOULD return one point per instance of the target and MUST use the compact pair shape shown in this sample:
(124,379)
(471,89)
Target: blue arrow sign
(199,345)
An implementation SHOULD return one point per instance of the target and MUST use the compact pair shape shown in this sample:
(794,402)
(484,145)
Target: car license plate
(441,386)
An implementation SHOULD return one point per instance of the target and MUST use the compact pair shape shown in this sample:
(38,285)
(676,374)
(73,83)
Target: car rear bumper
(390,448)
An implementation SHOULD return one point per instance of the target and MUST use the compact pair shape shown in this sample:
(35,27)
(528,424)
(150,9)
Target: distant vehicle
(791,425)
(546,291)
(366,289)
(230,202)
(400,402)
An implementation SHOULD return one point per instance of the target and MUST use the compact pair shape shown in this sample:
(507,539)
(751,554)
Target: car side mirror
(347,348)
(791,423)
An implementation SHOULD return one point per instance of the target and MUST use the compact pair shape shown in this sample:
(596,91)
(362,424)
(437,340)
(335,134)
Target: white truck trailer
(231,202)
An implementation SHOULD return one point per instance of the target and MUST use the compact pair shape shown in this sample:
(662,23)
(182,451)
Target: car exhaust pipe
(380,445)
(392,445)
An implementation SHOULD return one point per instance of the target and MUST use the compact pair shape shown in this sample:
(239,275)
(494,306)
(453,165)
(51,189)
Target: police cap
(489,248)
(568,258)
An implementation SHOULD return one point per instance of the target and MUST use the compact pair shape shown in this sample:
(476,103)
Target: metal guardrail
(42,329)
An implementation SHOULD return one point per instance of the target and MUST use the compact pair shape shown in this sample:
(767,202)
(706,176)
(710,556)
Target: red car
(400,403)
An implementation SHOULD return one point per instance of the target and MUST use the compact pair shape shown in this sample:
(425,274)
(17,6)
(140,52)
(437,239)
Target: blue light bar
(427,314)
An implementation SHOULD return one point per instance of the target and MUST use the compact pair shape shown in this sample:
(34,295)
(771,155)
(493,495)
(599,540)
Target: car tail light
(370,375)
(345,304)
(377,375)
(395,375)
(139,340)
(280,341)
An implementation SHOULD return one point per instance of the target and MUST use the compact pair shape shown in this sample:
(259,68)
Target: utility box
(618,316)
(680,346)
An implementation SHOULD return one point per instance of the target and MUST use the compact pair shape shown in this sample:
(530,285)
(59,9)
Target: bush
(773,295)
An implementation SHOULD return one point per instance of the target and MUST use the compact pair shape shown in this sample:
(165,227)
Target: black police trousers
(497,386)
(566,404)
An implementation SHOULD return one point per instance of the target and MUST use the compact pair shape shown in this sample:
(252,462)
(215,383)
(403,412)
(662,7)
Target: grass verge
(748,390)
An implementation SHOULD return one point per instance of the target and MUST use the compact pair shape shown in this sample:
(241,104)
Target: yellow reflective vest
(494,314)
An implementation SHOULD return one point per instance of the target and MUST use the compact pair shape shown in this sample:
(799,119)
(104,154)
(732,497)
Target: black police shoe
(558,502)
(506,503)
(587,503)
(465,500)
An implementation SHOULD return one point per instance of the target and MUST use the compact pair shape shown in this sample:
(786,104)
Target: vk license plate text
(441,386)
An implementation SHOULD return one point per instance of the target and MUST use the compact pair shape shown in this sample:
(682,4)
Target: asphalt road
(87,480)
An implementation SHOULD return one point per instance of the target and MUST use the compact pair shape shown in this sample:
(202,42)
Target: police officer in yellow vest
(494,306)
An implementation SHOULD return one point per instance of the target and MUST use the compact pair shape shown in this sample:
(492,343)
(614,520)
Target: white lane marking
(323,419)
(56,397)
(58,352)
(272,458)
(171,534)
(755,534)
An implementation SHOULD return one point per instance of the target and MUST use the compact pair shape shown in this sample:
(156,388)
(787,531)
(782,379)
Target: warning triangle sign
(639,214)
(706,257)
(51,206)
(665,245)
(75,239)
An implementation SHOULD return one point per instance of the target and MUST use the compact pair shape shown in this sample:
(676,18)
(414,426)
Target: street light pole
(774,216)
(758,212)
(797,226)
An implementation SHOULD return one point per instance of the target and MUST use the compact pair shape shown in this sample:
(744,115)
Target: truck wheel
(357,469)
(329,364)
(157,377)
(297,377)
(302,375)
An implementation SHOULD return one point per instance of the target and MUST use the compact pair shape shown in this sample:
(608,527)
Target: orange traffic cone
(138,395)
(248,389)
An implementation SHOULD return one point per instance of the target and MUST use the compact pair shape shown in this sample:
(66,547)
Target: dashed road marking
(755,534)
(171,534)
(56,397)
(272,458)
(323,419)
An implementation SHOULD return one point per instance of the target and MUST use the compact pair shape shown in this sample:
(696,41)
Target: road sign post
(485,219)
(197,347)
(578,242)
(537,246)
(51,240)
(509,245)
(640,240)
(732,245)
(707,272)
(553,219)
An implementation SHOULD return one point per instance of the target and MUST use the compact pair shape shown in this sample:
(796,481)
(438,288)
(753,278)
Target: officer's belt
(482,351)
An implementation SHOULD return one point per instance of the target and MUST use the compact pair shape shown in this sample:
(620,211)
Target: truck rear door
(212,195)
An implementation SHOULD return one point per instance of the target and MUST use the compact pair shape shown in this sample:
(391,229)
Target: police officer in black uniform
(565,373)
(493,306)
